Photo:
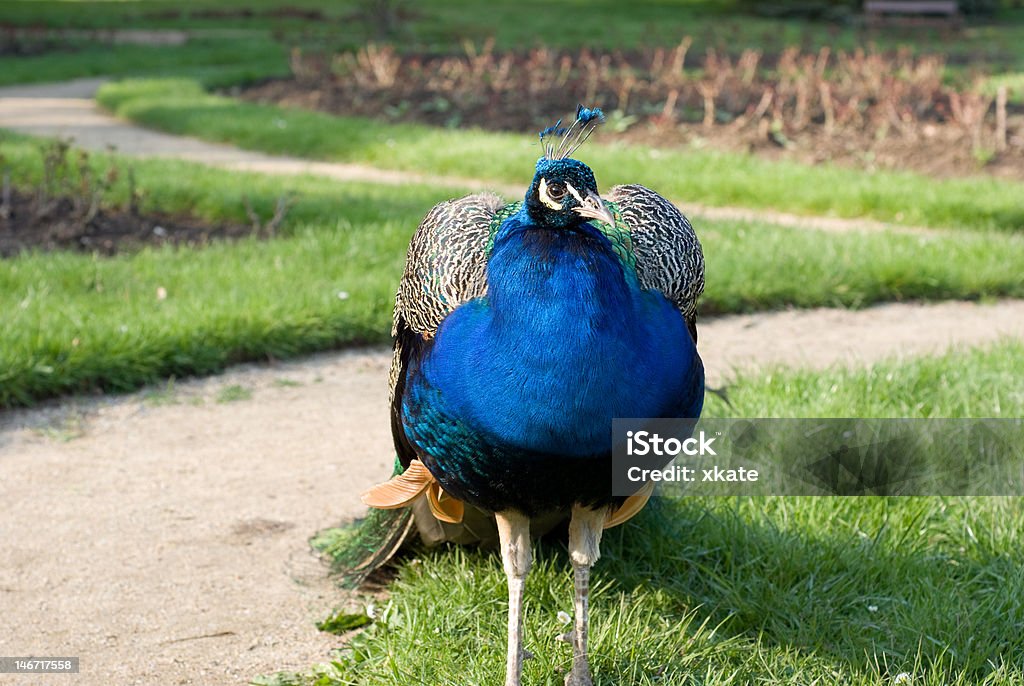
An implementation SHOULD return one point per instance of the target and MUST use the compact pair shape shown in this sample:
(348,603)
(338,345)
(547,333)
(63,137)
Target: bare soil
(162,537)
(31,40)
(67,223)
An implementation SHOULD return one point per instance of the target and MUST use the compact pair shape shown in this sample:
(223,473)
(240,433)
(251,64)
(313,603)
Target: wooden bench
(944,13)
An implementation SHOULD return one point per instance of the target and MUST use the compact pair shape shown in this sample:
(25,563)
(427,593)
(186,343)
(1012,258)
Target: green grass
(442,25)
(717,178)
(107,14)
(79,322)
(753,590)
(213,61)
(1014,82)
(974,383)
(238,41)
(754,267)
(234,393)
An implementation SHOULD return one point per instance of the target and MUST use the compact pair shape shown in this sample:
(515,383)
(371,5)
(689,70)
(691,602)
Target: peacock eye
(557,191)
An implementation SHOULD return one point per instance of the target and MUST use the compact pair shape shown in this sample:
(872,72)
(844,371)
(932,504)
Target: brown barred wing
(668,254)
(446,266)
(446,262)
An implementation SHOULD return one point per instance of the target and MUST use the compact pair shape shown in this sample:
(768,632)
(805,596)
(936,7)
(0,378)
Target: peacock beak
(593,207)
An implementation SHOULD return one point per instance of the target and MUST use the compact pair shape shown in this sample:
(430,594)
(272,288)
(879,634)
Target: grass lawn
(442,25)
(79,322)
(181,106)
(213,61)
(753,590)
(76,322)
(695,591)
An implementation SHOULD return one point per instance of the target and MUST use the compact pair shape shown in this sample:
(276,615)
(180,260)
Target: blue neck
(544,282)
(564,341)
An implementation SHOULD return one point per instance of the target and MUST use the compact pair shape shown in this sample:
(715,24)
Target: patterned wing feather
(668,254)
(445,267)
(446,262)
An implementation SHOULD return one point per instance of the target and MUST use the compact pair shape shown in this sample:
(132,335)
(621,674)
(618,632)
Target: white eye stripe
(545,196)
(575,193)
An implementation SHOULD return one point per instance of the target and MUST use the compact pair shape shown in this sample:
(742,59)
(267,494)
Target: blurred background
(934,86)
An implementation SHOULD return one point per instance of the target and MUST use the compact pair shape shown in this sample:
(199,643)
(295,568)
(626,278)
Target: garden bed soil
(868,111)
(61,225)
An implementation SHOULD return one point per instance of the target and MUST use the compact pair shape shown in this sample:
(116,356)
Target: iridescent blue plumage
(561,143)
(524,381)
(509,405)
(585,115)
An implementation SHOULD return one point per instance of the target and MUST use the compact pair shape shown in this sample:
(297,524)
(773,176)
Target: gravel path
(68,110)
(161,536)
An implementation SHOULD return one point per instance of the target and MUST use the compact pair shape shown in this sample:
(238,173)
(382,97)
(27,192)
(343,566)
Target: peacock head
(564,190)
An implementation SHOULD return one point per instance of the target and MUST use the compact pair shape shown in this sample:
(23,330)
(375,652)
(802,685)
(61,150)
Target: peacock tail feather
(359,548)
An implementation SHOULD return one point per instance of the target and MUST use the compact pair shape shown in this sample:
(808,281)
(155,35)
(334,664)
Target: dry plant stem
(269,228)
(825,93)
(800,115)
(281,207)
(668,111)
(254,219)
(133,194)
(1001,119)
(708,92)
(94,207)
(679,56)
(748,64)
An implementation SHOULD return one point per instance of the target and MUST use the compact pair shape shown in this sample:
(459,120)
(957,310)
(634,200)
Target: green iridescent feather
(617,233)
(360,547)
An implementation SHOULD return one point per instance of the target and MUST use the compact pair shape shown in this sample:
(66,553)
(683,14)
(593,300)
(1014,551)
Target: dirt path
(162,536)
(67,109)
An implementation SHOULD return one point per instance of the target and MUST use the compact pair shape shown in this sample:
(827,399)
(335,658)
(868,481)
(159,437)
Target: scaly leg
(514,534)
(585,530)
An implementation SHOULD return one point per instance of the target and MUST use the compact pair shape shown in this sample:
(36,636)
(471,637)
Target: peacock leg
(514,534)
(585,530)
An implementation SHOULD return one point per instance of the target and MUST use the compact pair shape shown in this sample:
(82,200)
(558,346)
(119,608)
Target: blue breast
(564,341)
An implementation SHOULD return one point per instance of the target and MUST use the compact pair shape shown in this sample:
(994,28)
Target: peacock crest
(561,142)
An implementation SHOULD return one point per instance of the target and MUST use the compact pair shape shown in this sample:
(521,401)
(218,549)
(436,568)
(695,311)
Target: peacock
(520,331)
